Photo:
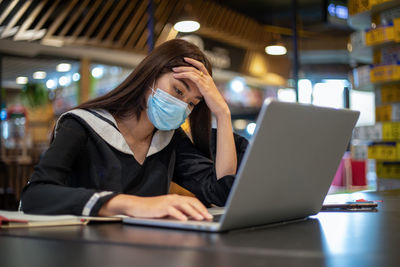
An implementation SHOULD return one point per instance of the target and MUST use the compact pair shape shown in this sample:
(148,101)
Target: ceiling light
(63,67)
(51,84)
(64,80)
(76,76)
(276,50)
(22,80)
(39,75)
(237,85)
(98,72)
(187,26)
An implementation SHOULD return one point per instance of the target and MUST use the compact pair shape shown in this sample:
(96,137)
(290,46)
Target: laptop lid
(289,165)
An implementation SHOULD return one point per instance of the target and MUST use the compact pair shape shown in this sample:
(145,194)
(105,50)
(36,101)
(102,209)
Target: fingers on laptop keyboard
(183,207)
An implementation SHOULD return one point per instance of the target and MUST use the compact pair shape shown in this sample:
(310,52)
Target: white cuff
(92,201)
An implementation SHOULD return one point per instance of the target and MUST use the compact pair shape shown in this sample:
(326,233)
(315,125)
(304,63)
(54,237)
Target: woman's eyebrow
(185,84)
(189,89)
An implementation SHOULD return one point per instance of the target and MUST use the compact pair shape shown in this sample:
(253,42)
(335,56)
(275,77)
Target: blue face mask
(165,111)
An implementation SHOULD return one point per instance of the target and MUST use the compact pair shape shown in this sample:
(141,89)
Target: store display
(351,173)
(359,150)
(387,112)
(361,77)
(389,54)
(371,132)
(388,169)
(387,151)
(385,73)
(389,15)
(387,93)
(380,22)
(383,34)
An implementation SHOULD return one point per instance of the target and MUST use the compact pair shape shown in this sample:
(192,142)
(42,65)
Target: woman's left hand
(205,83)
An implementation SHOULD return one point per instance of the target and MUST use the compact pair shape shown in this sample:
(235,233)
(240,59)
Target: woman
(118,153)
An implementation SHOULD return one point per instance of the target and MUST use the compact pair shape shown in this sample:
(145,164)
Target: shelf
(388,112)
(385,74)
(362,55)
(380,132)
(388,94)
(362,20)
(384,183)
(360,79)
(365,88)
(388,169)
(384,6)
(383,35)
(381,43)
(384,151)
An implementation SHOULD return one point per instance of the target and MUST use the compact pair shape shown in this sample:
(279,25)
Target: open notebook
(16,219)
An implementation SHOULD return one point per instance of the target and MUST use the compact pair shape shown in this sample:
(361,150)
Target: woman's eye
(192,104)
(179,92)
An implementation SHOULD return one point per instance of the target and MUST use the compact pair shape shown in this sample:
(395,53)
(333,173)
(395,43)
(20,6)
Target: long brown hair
(129,98)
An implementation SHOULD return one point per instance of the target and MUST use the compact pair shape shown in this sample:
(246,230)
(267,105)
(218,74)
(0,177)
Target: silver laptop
(286,171)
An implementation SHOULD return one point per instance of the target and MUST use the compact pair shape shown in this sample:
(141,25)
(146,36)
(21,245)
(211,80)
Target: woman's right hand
(175,206)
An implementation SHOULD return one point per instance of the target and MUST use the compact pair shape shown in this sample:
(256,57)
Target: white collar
(112,135)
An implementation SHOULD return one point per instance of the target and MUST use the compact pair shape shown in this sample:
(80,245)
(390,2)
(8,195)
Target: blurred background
(343,54)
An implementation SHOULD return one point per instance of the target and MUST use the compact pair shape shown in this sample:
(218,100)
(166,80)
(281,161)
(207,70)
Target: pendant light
(186,22)
(187,26)
(276,49)
(276,46)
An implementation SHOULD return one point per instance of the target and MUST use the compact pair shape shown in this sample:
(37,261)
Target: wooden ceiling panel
(72,19)
(93,24)
(46,15)
(131,28)
(23,33)
(60,18)
(123,24)
(78,30)
(8,10)
(122,19)
(138,32)
(109,21)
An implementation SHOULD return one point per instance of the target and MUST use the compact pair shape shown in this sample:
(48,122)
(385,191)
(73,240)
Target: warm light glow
(187,26)
(39,75)
(240,124)
(258,66)
(22,80)
(275,50)
(349,47)
(63,67)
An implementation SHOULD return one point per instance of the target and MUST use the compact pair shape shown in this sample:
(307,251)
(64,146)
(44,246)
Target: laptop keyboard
(217,218)
(216,212)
